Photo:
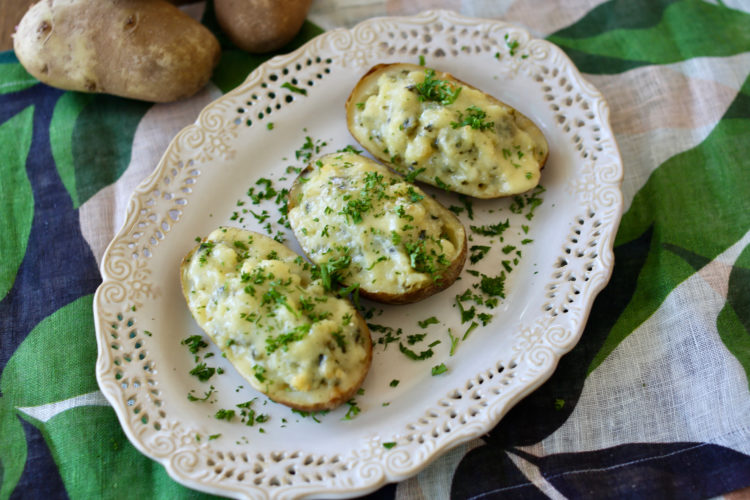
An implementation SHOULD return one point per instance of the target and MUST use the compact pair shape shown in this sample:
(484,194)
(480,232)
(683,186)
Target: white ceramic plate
(202,181)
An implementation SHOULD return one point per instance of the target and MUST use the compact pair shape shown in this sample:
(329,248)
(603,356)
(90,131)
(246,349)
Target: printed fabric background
(653,402)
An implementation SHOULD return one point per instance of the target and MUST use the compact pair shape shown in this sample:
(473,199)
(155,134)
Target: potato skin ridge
(404,247)
(470,143)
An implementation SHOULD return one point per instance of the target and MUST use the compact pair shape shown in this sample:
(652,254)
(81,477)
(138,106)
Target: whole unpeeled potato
(141,49)
(261,25)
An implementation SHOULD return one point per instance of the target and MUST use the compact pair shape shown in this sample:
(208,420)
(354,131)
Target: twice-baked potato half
(272,317)
(442,131)
(371,228)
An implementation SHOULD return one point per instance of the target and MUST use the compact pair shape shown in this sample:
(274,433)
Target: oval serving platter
(536,265)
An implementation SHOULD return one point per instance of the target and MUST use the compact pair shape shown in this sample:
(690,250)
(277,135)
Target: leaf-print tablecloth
(653,402)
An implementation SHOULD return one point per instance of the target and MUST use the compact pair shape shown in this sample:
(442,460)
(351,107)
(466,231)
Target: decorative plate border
(129,379)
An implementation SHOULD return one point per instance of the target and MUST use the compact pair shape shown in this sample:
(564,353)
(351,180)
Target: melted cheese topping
(259,303)
(395,237)
(397,124)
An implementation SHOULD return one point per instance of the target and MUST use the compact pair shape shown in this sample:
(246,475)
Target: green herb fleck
(203,372)
(223,414)
(434,89)
(426,354)
(353,410)
(294,88)
(494,287)
(474,118)
(439,369)
(432,320)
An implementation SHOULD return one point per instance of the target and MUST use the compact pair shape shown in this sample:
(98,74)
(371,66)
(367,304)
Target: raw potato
(455,136)
(261,25)
(141,49)
(273,319)
(381,232)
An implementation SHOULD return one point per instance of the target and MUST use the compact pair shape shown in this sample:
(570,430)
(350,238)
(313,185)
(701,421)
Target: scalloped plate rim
(153,177)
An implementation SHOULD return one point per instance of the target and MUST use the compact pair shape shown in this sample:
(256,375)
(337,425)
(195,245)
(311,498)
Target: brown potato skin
(372,75)
(330,404)
(140,49)
(449,276)
(261,26)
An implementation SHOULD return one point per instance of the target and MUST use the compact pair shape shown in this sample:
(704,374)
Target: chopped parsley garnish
(203,372)
(414,338)
(353,410)
(494,287)
(354,209)
(454,342)
(467,205)
(474,118)
(294,88)
(439,369)
(312,414)
(413,195)
(491,229)
(471,328)
(389,445)
(512,45)
(348,149)
(282,341)
(442,185)
(426,354)
(206,395)
(330,272)
(434,89)
(485,318)
(425,261)
(432,320)
(309,148)
(478,252)
(259,373)
(223,414)
(340,340)
(394,382)
(466,314)
(413,174)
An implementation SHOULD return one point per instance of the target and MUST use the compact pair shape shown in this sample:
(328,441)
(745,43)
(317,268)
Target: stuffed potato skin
(268,312)
(383,233)
(445,132)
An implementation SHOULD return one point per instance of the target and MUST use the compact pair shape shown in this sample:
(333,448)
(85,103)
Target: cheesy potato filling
(390,236)
(455,136)
(272,318)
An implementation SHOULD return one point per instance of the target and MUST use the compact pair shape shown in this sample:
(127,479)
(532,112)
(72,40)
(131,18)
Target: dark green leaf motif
(16,198)
(623,34)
